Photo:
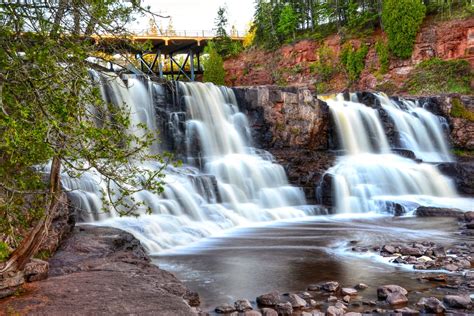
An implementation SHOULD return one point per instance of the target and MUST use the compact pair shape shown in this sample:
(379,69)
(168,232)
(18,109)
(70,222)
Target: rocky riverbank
(102,271)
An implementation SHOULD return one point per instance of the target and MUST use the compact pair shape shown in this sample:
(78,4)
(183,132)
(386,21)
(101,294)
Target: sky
(197,15)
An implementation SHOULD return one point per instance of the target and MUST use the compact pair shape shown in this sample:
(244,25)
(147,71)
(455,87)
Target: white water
(250,188)
(369,176)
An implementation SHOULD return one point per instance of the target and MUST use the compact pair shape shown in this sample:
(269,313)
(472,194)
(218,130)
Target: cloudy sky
(200,14)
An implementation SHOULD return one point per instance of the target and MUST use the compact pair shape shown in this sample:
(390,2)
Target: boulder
(384,291)
(284,309)
(389,249)
(252,313)
(349,291)
(469,216)
(427,211)
(225,309)
(352,314)
(461,173)
(458,301)
(296,301)
(331,286)
(431,305)
(361,286)
(269,312)
(334,311)
(396,298)
(269,299)
(406,311)
(36,270)
(242,305)
(411,251)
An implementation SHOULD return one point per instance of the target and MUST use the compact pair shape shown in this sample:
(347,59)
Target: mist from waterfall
(224,183)
(370,177)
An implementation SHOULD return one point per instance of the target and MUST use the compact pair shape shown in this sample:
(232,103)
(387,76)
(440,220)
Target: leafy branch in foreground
(51,114)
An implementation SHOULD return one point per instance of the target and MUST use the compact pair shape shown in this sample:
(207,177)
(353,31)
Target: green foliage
(287,23)
(4,251)
(264,26)
(213,66)
(223,44)
(383,55)
(325,68)
(440,76)
(50,108)
(402,20)
(353,60)
(43,255)
(463,152)
(459,110)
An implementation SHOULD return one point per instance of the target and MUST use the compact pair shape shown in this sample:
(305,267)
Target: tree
(53,119)
(287,23)
(213,66)
(402,20)
(222,42)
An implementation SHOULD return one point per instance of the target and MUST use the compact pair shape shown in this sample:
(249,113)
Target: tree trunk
(11,270)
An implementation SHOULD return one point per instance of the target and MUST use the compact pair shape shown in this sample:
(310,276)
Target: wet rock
(314,287)
(369,303)
(269,299)
(331,286)
(352,314)
(332,299)
(411,251)
(305,295)
(458,301)
(384,291)
(242,305)
(284,309)
(252,313)
(451,267)
(389,249)
(349,291)
(36,270)
(192,298)
(361,286)
(334,311)
(469,216)
(406,311)
(269,312)
(296,301)
(340,306)
(396,298)
(426,211)
(346,298)
(461,173)
(431,305)
(225,309)
(470,225)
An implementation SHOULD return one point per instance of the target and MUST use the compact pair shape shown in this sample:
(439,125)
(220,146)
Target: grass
(459,110)
(440,76)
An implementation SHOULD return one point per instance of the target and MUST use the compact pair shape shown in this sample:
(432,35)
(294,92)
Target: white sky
(200,14)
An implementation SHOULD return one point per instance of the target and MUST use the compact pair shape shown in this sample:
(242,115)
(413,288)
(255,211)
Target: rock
(284,309)
(225,309)
(426,211)
(192,298)
(451,267)
(305,295)
(252,313)
(470,225)
(352,314)
(369,303)
(407,311)
(340,306)
(469,216)
(9,284)
(431,305)
(314,287)
(331,286)
(346,298)
(396,298)
(411,251)
(334,311)
(36,270)
(461,173)
(389,249)
(242,305)
(458,301)
(332,299)
(269,312)
(361,286)
(269,299)
(349,291)
(296,301)
(384,291)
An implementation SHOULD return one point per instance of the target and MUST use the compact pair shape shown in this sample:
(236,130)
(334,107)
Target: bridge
(161,60)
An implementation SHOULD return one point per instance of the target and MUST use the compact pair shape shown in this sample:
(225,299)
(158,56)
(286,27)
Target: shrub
(325,67)
(381,48)
(459,110)
(401,20)
(4,251)
(353,60)
(440,76)
(213,66)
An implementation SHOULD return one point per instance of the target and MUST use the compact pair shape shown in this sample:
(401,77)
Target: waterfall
(223,183)
(369,177)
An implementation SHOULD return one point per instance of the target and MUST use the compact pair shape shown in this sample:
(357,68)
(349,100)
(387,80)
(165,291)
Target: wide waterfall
(223,183)
(371,177)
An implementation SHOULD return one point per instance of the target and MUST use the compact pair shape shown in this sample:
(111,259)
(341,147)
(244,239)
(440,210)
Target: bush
(353,60)
(440,76)
(213,66)
(383,55)
(325,67)
(459,110)
(4,251)
(401,20)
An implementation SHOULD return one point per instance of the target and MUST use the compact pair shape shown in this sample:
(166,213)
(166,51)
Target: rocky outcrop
(285,117)
(462,173)
(103,271)
(291,64)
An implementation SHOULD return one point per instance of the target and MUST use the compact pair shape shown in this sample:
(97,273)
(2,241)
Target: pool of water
(289,256)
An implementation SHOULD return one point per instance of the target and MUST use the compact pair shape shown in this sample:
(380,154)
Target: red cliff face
(290,65)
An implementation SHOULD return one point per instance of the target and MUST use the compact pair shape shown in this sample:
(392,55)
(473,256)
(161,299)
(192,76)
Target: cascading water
(229,184)
(369,177)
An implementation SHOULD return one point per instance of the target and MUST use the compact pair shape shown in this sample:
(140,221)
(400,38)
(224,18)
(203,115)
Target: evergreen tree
(402,20)
(213,66)
(287,23)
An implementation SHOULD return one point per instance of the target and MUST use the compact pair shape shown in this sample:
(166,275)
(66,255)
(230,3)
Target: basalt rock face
(103,271)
